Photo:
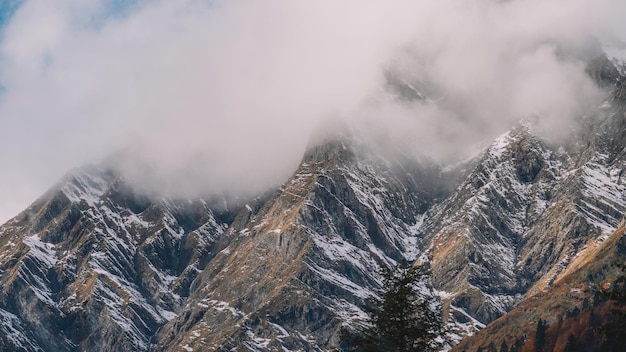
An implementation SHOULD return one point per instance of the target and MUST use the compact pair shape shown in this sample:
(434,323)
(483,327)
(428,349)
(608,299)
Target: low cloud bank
(224,95)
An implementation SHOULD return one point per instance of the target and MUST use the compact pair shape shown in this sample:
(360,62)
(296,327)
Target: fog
(224,95)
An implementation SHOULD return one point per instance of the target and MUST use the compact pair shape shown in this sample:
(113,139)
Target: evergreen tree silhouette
(540,336)
(402,319)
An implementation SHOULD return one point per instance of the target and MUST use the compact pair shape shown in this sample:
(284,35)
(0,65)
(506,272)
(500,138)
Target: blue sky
(110,8)
(7,8)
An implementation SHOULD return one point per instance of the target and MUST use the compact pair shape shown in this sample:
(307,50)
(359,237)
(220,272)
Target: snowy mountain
(97,264)
(575,248)
(94,263)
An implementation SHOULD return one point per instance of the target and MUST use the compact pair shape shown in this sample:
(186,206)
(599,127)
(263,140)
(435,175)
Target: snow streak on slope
(310,257)
(93,247)
(369,207)
(88,184)
(12,333)
(617,56)
(603,193)
(472,238)
(290,268)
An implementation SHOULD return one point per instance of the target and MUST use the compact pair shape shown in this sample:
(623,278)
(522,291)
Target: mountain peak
(290,268)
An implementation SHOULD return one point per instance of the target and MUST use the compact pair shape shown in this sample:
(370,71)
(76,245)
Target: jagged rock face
(93,264)
(523,212)
(305,262)
(576,289)
(472,238)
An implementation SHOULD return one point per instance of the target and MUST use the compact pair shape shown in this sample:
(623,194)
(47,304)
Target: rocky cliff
(97,264)
(93,264)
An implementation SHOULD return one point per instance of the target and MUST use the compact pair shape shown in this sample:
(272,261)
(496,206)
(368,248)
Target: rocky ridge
(113,268)
(95,264)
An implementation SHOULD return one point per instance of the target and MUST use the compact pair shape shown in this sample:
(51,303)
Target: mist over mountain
(226,94)
(233,175)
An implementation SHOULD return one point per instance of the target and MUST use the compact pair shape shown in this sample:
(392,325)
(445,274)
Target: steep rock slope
(472,238)
(576,290)
(293,272)
(92,265)
(586,207)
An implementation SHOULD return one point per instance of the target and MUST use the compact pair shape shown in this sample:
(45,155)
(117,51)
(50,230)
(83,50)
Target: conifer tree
(540,335)
(402,319)
(613,331)
(573,345)
(504,347)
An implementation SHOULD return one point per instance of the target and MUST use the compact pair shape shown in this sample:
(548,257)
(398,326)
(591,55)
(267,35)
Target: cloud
(224,95)
(486,65)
